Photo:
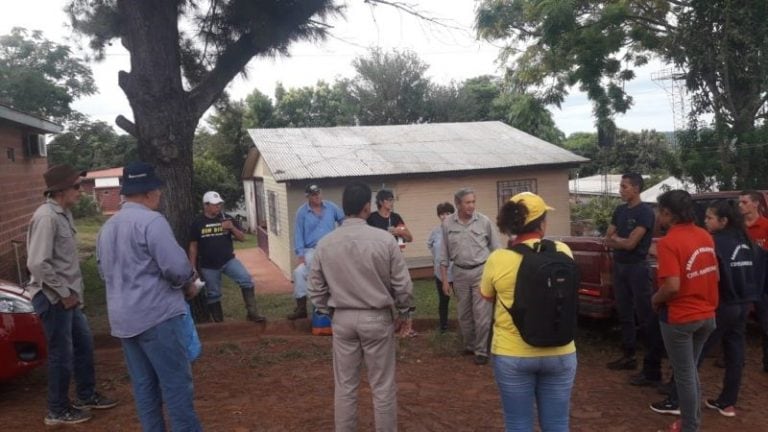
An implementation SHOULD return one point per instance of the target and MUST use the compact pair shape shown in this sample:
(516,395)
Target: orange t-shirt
(688,252)
(758,232)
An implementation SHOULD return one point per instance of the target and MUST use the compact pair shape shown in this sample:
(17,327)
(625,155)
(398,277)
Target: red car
(22,339)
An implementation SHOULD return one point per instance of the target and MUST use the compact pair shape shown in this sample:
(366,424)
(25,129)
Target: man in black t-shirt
(386,219)
(629,235)
(211,252)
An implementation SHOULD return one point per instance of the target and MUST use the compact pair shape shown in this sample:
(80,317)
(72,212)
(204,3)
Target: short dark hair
(680,204)
(634,179)
(356,195)
(754,195)
(445,207)
(382,195)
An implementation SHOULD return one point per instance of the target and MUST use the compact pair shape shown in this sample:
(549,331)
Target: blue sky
(452,53)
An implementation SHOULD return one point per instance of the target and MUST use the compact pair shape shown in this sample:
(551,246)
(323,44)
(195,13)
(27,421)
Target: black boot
(300,311)
(250,305)
(216,313)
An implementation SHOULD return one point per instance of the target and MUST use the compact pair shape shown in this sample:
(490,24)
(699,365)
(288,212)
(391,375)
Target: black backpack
(546,295)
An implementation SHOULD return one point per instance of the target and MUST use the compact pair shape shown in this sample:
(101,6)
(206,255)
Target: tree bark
(164,124)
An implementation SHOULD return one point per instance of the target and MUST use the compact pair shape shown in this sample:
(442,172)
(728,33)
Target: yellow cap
(534,203)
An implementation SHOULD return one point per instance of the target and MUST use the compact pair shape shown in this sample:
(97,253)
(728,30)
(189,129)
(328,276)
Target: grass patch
(273,306)
(87,232)
(251,241)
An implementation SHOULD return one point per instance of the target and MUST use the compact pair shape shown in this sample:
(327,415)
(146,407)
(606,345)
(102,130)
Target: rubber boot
(250,306)
(216,313)
(300,311)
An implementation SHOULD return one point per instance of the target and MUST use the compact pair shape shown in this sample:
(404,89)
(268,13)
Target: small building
(583,189)
(22,163)
(424,164)
(104,187)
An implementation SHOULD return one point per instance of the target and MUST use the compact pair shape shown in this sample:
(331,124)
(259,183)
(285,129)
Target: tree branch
(230,63)
(411,10)
(126,125)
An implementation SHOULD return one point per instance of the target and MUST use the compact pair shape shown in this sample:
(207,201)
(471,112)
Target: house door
(262,234)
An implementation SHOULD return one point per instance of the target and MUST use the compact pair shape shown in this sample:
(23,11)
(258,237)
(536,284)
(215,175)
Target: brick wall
(108,199)
(21,192)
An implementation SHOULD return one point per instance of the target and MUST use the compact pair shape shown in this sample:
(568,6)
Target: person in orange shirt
(686,299)
(757,229)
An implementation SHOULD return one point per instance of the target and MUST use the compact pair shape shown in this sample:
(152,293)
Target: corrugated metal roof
(310,153)
(595,185)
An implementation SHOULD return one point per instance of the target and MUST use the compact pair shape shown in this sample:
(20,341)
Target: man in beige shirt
(468,238)
(57,296)
(358,275)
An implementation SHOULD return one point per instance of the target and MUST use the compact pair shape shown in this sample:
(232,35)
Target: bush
(86,207)
(597,212)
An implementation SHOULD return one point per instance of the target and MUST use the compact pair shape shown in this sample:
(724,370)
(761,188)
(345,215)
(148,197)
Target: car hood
(13,289)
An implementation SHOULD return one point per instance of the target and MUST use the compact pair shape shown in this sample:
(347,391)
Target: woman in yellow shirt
(526,375)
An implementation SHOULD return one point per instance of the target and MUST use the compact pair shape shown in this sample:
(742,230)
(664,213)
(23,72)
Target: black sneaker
(68,416)
(724,410)
(481,360)
(641,380)
(667,406)
(623,363)
(97,401)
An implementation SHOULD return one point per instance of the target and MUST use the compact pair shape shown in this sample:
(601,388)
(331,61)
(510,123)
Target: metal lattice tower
(672,81)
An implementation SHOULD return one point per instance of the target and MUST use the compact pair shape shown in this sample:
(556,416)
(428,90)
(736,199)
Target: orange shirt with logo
(688,252)
(758,232)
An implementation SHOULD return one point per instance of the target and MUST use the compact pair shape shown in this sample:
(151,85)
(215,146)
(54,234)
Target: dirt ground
(279,378)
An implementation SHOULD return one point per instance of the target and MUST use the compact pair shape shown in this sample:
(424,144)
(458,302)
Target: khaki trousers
(474,312)
(364,335)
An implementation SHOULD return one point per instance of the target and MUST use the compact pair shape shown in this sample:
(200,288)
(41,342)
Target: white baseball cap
(212,197)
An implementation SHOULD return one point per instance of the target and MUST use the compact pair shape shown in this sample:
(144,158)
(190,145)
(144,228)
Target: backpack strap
(541,245)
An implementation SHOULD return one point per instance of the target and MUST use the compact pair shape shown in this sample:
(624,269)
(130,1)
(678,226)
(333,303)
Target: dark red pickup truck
(596,262)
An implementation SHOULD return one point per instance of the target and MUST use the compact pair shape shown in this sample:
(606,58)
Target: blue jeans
(684,343)
(300,274)
(235,270)
(632,290)
(70,352)
(161,374)
(547,381)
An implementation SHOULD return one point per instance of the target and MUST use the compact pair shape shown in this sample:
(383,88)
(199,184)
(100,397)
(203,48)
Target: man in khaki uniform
(357,276)
(468,238)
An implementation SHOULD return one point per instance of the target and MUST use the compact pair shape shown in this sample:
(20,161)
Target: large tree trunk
(164,121)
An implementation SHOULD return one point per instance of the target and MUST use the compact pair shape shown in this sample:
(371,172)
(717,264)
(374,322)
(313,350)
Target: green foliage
(585,144)
(86,207)
(720,47)
(595,213)
(390,87)
(525,112)
(320,106)
(212,175)
(646,152)
(711,158)
(258,110)
(41,77)
(91,145)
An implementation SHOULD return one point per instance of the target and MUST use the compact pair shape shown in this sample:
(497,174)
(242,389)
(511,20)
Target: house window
(273,219)
(507,189)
